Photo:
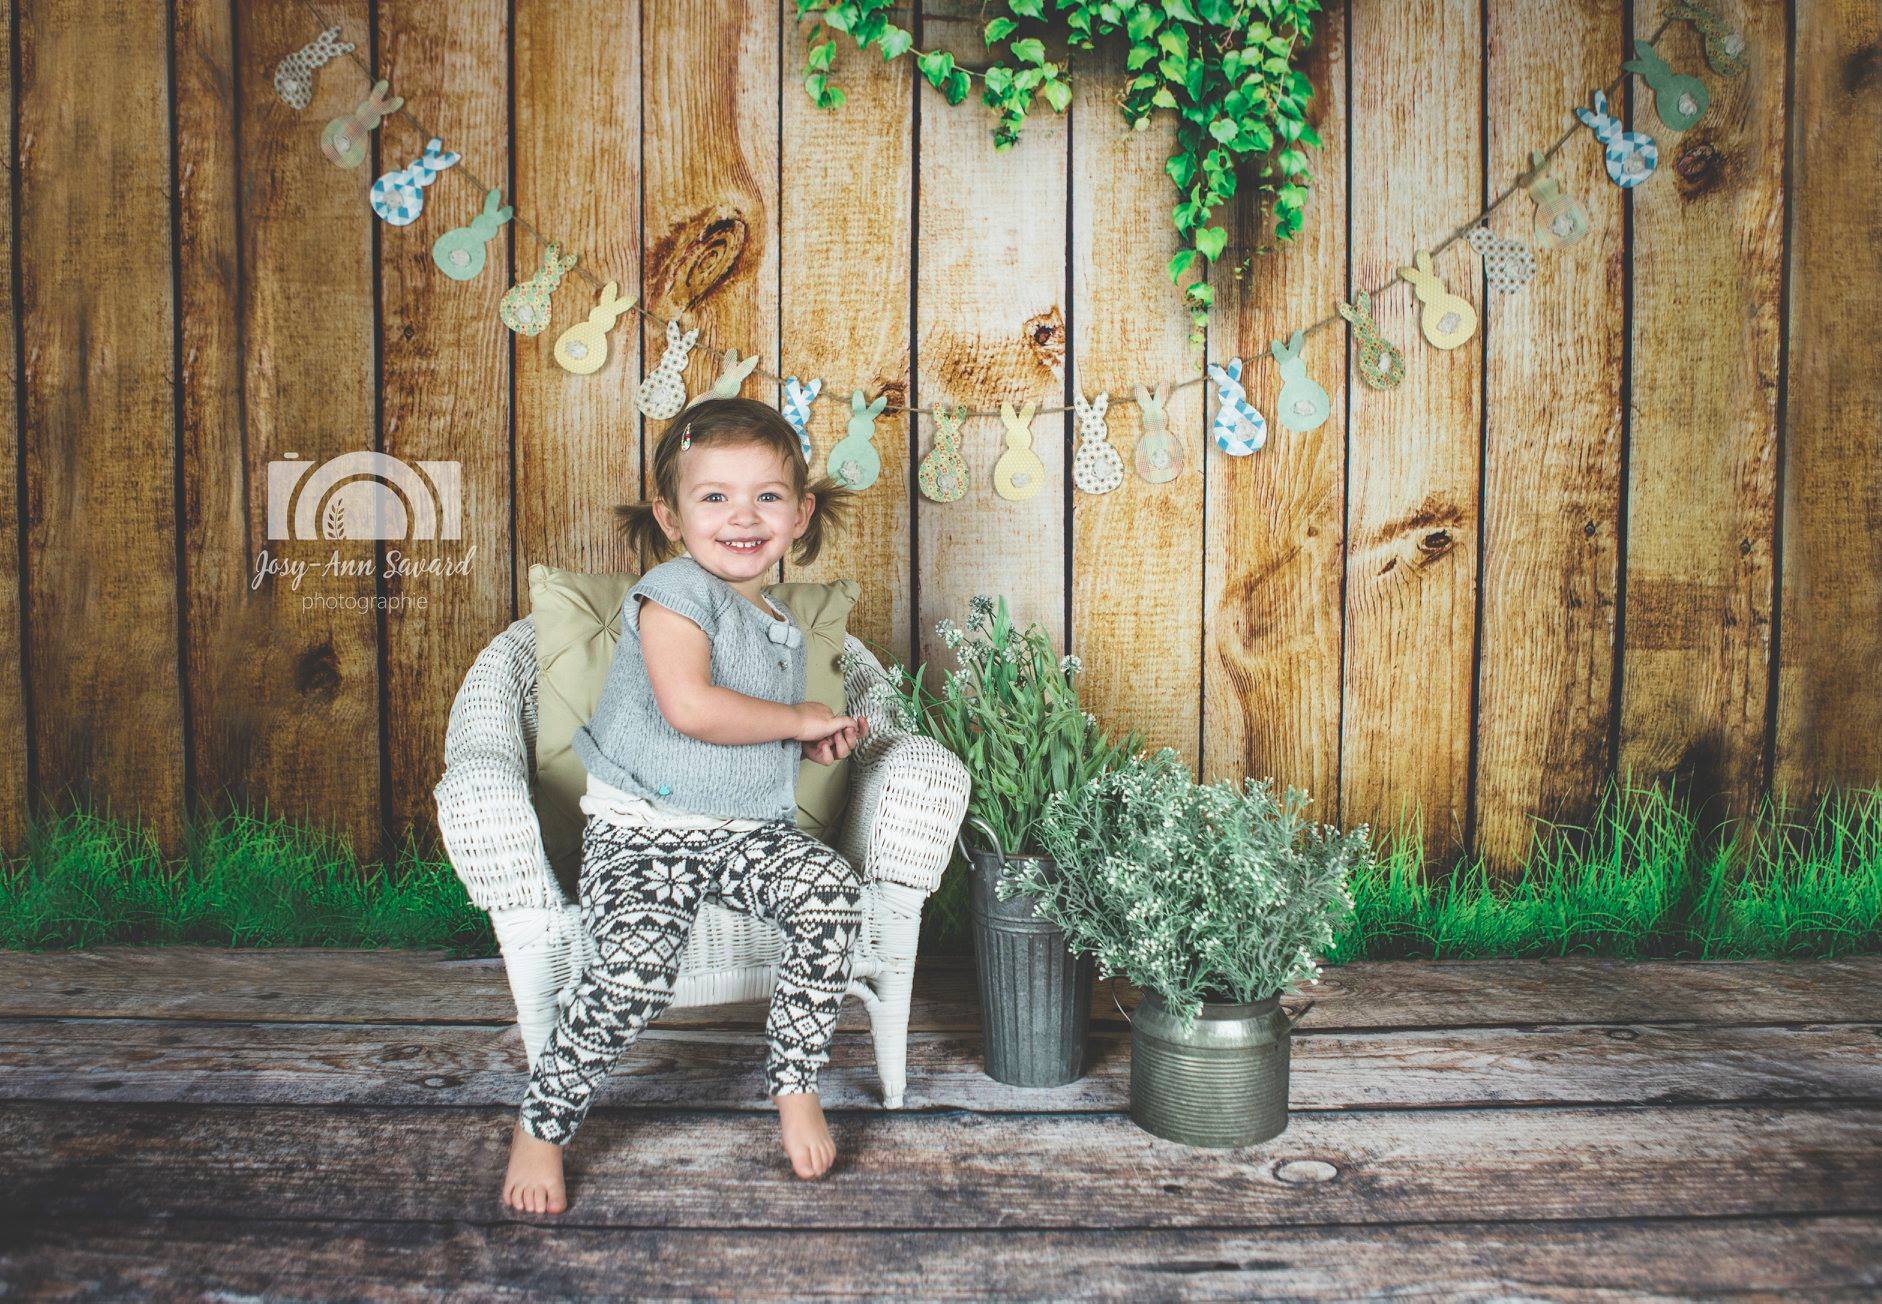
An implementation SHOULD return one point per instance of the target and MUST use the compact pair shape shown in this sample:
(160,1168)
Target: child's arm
(679,667)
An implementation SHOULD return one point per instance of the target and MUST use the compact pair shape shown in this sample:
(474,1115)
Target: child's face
(736,513)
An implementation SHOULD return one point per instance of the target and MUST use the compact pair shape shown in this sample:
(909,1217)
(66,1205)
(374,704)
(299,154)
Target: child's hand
(816,721)
(828,751)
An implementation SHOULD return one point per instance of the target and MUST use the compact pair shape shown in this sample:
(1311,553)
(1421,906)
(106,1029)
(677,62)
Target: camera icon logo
(364,495)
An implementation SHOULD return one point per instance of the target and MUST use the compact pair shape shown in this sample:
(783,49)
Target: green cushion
(578,621)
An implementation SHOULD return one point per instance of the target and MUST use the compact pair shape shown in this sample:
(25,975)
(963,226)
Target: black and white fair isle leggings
(641,889)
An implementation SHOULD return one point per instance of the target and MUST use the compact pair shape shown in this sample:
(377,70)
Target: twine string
(714,346)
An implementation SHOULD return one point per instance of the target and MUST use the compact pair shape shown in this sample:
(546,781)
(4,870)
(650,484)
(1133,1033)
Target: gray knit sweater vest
(630,744)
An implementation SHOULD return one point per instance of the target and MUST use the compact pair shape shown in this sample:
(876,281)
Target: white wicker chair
(907,798)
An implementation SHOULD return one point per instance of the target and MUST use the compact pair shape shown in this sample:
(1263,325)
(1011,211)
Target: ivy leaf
(1143,21)
(1180,9)
(1058,95)
(1164,98)
(1027,8)
(999,29)
(1223,130)
(1211,241)
(896,42)
(1180,261)
(935,65)
(822,55)
(1031,50)
(958,84)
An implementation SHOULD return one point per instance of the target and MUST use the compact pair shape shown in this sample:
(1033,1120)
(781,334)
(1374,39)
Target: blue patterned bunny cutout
(663,393)
(1239,428)
(797,400)
(1303,404)
(1629,155)
(854,461)
(398,196)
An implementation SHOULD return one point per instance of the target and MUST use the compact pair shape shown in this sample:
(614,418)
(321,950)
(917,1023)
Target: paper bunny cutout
(524,308)
(294,75)
(1678,99)
(459,252)
(1096,467)
(1560,219)
(1159,458)
(1725,48)
(583,347)
(1303,404)
(398,196)
(1507,263)
(854,461)
(1381,365)
(1630,156)
(344,140)
(1447,321)
(797,400)
(943,473)
(1239,429)
(732,374)
(663,393)
(1019,474)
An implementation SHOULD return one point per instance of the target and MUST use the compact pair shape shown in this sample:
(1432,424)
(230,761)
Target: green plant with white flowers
(1197,891)
(1011,713)
(1226,68)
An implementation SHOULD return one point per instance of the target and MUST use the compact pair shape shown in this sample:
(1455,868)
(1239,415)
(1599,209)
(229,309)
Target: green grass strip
(1643,878)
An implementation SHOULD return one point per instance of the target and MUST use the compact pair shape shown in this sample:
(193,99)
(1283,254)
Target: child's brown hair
(732,421)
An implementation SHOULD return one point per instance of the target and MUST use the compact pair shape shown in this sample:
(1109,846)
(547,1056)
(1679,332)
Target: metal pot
(1223,1083)
(1035,995)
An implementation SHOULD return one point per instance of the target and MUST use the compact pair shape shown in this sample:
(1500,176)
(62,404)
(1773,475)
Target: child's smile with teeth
(738,512)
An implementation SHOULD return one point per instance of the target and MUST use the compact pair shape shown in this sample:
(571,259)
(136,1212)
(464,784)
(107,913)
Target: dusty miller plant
(1011,713)
(1226,68)
(1196,891)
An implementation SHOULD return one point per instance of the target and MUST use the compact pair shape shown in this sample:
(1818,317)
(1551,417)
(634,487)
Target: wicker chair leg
(542,953)
(898,931)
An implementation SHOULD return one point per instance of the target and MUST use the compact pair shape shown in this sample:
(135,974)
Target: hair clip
(294,75)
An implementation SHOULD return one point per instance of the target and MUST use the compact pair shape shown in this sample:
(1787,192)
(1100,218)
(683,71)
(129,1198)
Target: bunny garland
(663,393)
(1019,474)
(1560,219)
(1381,365)
(459,252)
(1303,404)
(294,75)
(1725,48)
(583,347)
(943,473)
(1630,156)
(732,374)
(345,138)
(854,462)
(1507,263)
(399,195)
(1159,458)
(1096,467)
(797,400)
(525,308)
(1678,99)
(1239,428)
(1447,321)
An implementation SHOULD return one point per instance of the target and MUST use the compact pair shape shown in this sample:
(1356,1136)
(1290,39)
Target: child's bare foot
(534,1182)
(806,1136)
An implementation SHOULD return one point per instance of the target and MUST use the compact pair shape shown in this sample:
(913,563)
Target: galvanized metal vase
(1035,995)
(1224,1083)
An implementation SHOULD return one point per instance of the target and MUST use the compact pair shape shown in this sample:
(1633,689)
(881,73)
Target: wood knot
(1436,542)
(696,256)
(1862,69)
(1044,334)
(1700,168)
(317,672)
(1304,1172)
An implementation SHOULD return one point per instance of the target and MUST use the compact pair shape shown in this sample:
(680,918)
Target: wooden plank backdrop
(1634,524)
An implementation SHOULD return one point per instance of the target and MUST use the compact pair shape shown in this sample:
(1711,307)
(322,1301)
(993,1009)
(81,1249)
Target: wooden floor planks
(324,1124)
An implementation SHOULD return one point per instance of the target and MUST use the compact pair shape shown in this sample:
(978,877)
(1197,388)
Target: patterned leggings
(641,889)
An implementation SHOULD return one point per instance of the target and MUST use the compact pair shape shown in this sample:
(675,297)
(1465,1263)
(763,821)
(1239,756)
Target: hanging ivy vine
(1227,68)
